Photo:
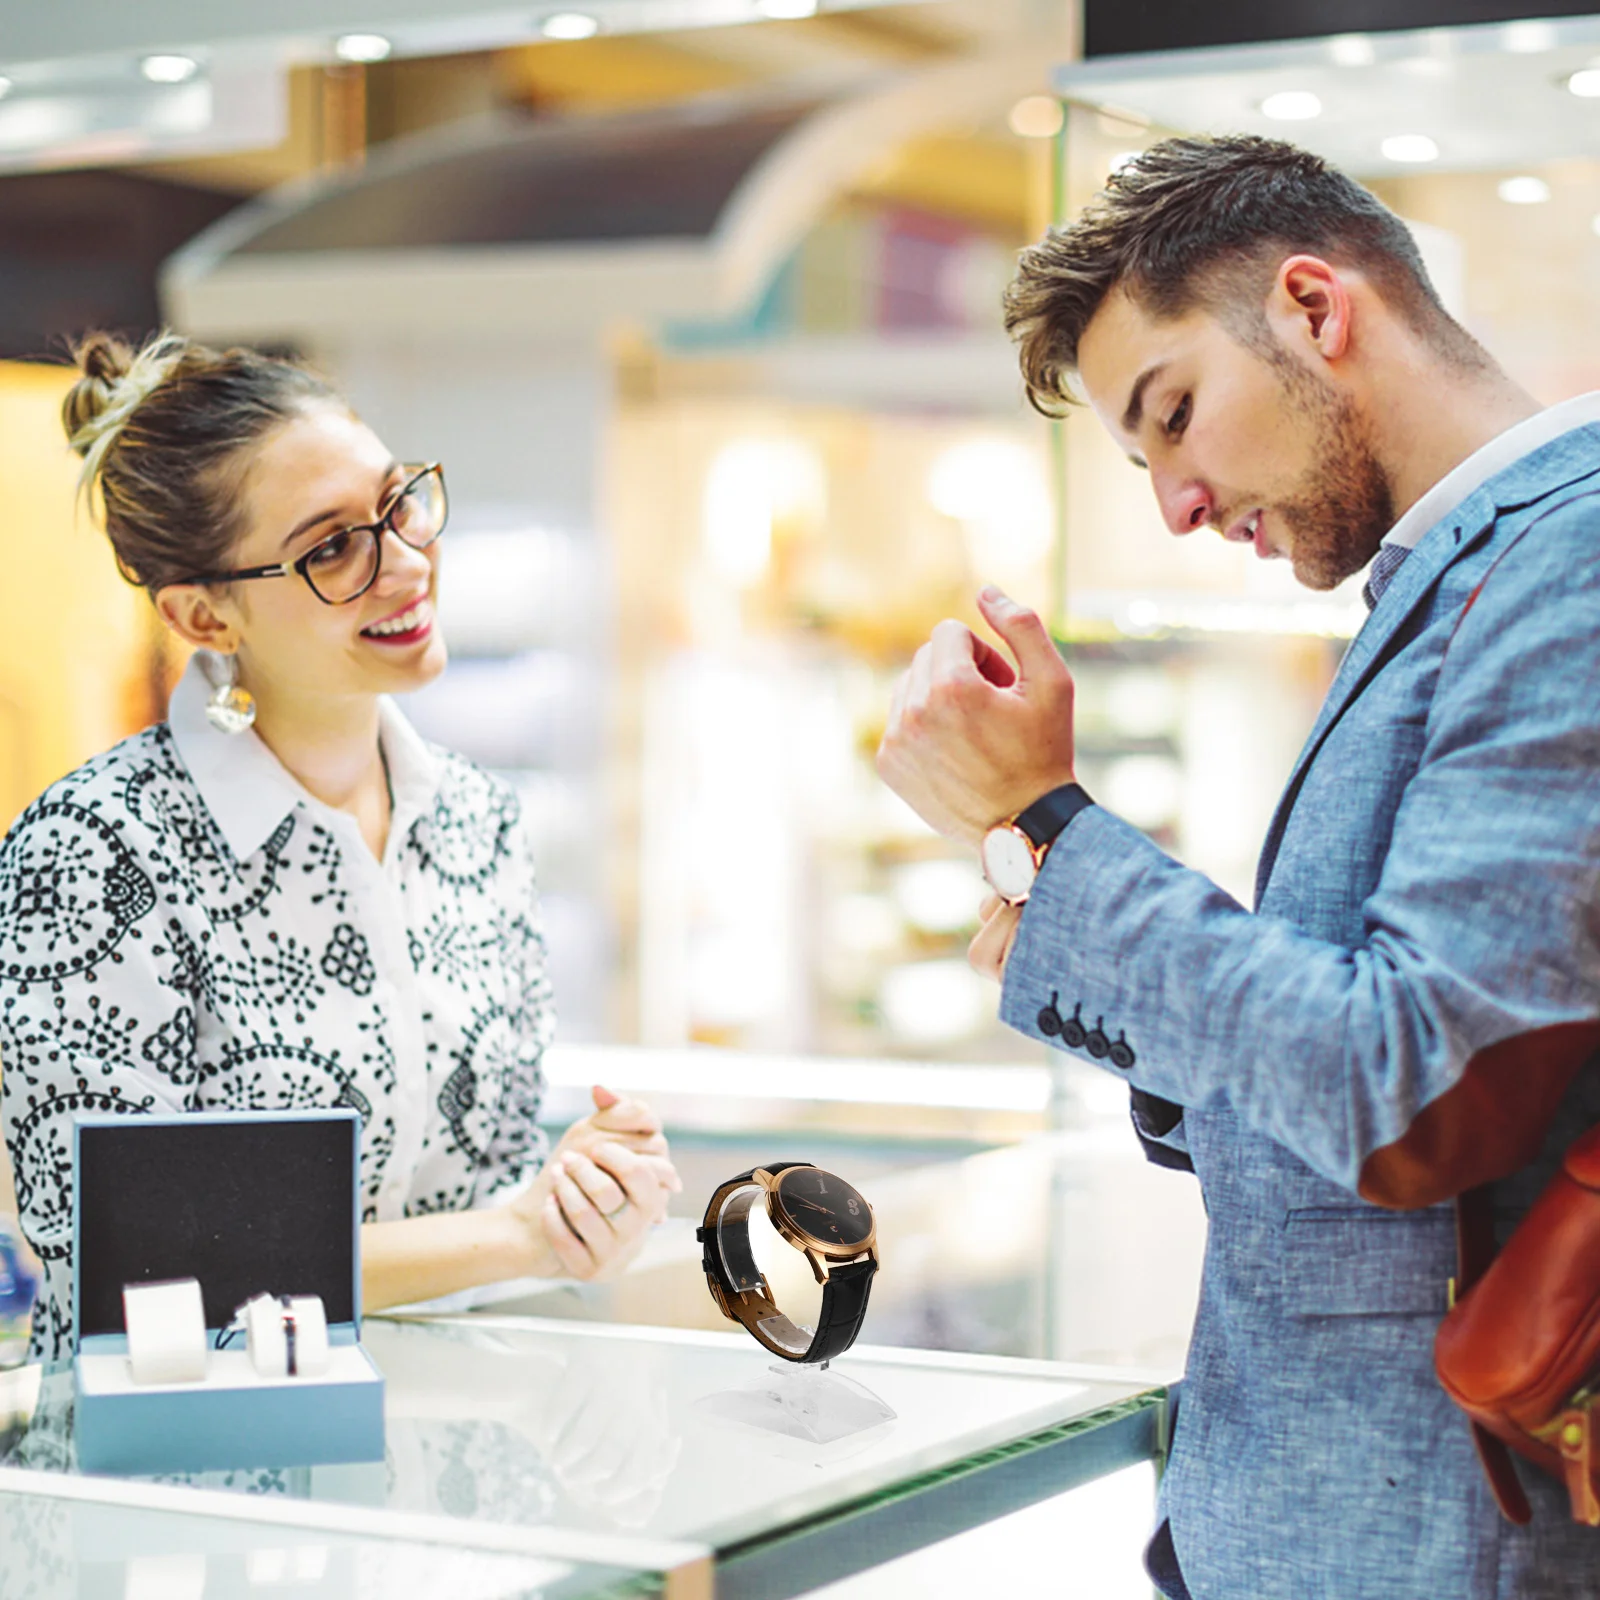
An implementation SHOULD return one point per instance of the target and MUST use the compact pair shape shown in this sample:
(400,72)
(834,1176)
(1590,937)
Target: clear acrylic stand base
(802,1402)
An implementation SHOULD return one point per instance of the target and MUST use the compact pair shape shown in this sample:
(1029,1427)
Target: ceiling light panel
(1292,105)
(1524,191)
(1484,107)
(362,47)
(570,25)
(169,69)
(1409,149)
(1352,50)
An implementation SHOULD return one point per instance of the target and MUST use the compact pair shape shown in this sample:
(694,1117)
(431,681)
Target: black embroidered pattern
(145,969)
(348,960)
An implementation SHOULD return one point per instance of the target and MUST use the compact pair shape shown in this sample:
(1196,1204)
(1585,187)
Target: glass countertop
(644,1432)
(52,1545)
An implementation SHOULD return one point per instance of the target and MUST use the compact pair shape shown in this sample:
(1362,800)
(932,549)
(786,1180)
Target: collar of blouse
(248,791)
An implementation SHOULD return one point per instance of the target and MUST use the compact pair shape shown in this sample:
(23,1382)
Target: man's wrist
(1050,815)
(1013,853)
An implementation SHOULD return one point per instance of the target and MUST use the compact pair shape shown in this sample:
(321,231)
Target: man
(1414,1006)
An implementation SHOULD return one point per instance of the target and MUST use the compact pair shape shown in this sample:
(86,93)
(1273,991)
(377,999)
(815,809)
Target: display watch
(1014,851)
(825,1219)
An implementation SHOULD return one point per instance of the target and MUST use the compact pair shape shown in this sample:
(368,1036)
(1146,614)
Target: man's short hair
(1206,222)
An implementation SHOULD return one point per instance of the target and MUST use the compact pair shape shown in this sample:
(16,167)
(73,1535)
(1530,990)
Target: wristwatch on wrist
(1014,851)
(822,1217)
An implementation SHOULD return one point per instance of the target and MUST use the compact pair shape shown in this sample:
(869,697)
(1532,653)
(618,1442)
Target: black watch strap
(844,1309)
(1045,819)
(766,1166)
(746,1298)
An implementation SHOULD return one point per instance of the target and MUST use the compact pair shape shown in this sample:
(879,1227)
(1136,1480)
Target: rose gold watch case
(1036,851)
(818,1252)
(754,1306)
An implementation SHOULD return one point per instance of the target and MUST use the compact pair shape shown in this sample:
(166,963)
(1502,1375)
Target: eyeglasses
(342,567)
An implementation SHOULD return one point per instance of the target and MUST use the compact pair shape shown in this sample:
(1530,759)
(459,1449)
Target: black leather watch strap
(766,1166)
(741,1289)
(844,1309)
(1044,820)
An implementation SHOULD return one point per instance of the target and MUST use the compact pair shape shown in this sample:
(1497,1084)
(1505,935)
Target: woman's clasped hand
(604,1186)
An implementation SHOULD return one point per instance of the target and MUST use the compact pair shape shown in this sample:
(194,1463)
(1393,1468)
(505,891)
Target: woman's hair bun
(103,356)
(115,379)
(104,361)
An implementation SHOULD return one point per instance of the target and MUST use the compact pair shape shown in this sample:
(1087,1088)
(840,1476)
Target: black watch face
(824,1206)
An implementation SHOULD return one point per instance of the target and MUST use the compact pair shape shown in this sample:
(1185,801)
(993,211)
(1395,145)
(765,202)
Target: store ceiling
(303,29)
(1488,98)
(76,89)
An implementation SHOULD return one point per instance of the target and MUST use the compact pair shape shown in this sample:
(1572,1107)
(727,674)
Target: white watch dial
(1008,862)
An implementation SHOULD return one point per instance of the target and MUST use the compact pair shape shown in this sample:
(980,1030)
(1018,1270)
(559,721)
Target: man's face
(1263,448)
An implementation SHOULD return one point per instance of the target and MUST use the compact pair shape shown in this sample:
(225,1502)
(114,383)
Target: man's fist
(976,735)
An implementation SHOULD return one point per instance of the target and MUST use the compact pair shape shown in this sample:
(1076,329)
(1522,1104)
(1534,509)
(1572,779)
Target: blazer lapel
(1563,462)
(1438,549)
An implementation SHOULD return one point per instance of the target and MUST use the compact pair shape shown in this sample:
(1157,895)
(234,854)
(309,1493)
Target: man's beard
(1346,505)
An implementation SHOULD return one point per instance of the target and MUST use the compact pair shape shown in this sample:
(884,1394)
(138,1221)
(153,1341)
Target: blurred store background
(698,303)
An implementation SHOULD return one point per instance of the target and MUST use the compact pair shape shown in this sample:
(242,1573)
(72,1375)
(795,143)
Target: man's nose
(1185,505)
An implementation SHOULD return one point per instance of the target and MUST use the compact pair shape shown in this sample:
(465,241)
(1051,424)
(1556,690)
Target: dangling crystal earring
(231,708)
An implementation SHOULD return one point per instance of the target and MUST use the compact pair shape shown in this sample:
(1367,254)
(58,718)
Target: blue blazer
(1412,1008)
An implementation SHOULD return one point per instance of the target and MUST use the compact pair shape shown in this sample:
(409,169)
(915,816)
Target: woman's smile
(409,625)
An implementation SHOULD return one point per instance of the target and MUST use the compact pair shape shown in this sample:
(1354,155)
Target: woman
(281,896)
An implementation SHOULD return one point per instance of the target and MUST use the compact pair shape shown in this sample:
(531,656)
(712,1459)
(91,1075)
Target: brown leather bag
(1519,1350)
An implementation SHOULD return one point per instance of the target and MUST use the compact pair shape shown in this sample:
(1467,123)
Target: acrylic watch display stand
(802,1402)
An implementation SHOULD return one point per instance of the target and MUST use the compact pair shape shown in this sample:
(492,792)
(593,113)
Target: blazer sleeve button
(1122,1053)
(1072,1030)
(1050,1018)
(1096,1042)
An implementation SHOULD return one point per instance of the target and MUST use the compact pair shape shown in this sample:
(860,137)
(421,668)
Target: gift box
(247,1203)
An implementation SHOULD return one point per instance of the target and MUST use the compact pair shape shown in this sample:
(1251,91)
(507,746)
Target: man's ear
(1310,307)
(198,617)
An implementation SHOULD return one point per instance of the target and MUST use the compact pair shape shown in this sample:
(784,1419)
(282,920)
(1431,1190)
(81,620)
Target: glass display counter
(638,1438)
(66,1536)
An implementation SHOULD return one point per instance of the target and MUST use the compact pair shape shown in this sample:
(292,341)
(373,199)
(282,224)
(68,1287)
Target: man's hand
(991,945)
(972,738)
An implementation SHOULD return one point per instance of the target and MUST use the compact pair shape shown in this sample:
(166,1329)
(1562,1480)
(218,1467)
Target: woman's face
(320,472)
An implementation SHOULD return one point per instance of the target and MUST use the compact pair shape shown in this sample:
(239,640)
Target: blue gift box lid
(247,1202)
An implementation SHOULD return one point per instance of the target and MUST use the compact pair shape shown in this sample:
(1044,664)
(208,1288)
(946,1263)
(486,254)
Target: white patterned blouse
(183,928)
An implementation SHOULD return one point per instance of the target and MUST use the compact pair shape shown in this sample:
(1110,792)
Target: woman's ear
(198,617)
(1311,307)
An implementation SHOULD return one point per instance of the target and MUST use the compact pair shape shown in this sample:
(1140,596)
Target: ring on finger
(613,1214)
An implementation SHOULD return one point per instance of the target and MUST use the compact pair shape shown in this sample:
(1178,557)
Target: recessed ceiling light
(1352,50)
(1424,67)
(1585,83)
(787,10)
(169,69)
(1291,105)
(1036,116)
(362,47)
(1525,191)
(569,25)
(1410,148)
(1528,38)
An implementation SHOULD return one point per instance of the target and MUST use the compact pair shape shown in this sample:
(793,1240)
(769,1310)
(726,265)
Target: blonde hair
(165,432)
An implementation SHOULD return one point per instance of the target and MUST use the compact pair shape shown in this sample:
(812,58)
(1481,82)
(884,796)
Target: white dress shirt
(183,927)
(1502,451)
